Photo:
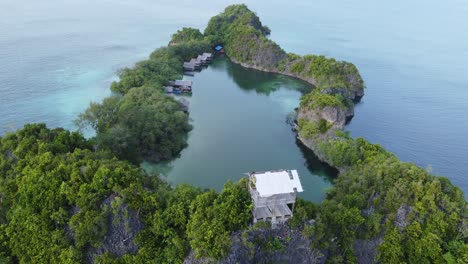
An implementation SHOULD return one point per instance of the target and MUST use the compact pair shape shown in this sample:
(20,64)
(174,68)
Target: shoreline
(310,144)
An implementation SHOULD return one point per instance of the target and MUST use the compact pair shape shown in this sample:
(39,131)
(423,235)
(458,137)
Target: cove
(240,124)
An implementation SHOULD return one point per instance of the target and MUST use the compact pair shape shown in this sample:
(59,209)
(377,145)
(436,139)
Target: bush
(186,34)
(318,100)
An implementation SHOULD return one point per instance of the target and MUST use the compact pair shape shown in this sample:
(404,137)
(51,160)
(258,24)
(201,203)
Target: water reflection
(239,117)
(259,81)
(315,166)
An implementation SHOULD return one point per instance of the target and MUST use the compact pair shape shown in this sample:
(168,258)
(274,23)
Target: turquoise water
(57,56)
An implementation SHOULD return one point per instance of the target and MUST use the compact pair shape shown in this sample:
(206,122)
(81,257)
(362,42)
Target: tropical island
(67,199)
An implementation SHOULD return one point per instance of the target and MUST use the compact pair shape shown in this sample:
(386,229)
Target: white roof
(276,182)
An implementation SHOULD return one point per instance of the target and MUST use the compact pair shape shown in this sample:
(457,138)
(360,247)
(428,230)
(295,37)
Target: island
(67,199)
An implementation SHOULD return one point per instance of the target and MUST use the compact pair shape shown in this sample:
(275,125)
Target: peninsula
(67,199)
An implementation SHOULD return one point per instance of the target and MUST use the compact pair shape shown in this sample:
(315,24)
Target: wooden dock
(185,86)
(189,66)
(197,63)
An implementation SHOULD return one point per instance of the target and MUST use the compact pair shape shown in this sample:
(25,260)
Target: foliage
(323,72)
(54,183)
(45,174)
(214,217)
(54,187)
(303,211)
(186,34)
(244,37)
(417,214)
(144,124)
(100,116)
(380,197)
(233,16)
(318,100)
(140,122)
(181,52)
(148,72)
(328,72)
(164,65)
(308,129)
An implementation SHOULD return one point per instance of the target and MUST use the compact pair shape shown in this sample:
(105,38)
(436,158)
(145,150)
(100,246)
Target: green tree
(186,34)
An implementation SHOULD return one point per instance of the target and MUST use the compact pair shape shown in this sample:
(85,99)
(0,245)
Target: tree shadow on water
(315,166)
(259,81)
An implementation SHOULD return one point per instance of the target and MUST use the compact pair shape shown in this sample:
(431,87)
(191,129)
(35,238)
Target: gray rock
(366,250)
(123,224)
(401,215)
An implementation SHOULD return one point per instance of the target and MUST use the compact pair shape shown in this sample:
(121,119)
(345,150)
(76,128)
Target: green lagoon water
(239,117)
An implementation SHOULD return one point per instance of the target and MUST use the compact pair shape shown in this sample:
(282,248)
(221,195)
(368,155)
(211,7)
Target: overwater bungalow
(181,86)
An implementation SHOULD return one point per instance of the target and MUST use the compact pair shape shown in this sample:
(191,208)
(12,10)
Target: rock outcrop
(122,224)
(266,245)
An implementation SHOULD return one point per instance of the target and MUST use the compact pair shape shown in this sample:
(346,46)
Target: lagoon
(240,125)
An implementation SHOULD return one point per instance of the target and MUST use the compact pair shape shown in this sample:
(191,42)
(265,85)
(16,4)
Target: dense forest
(139,121)
(380,208)
(63,202)
(67,199)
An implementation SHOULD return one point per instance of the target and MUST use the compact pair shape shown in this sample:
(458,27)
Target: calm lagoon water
(57,56)
(239,118)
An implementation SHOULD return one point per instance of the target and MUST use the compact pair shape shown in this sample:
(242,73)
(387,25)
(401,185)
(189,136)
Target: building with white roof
(274,195)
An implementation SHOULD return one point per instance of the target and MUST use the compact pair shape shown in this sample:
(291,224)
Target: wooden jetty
(189,73)
(200,59)
(208,56)
(198,62)
(190,66)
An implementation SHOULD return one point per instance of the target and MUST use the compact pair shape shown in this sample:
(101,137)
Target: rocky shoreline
(336,115)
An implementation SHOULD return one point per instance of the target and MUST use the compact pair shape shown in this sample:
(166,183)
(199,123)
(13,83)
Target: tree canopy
(63,202)
(66,199)
(140,122)
(186,34)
